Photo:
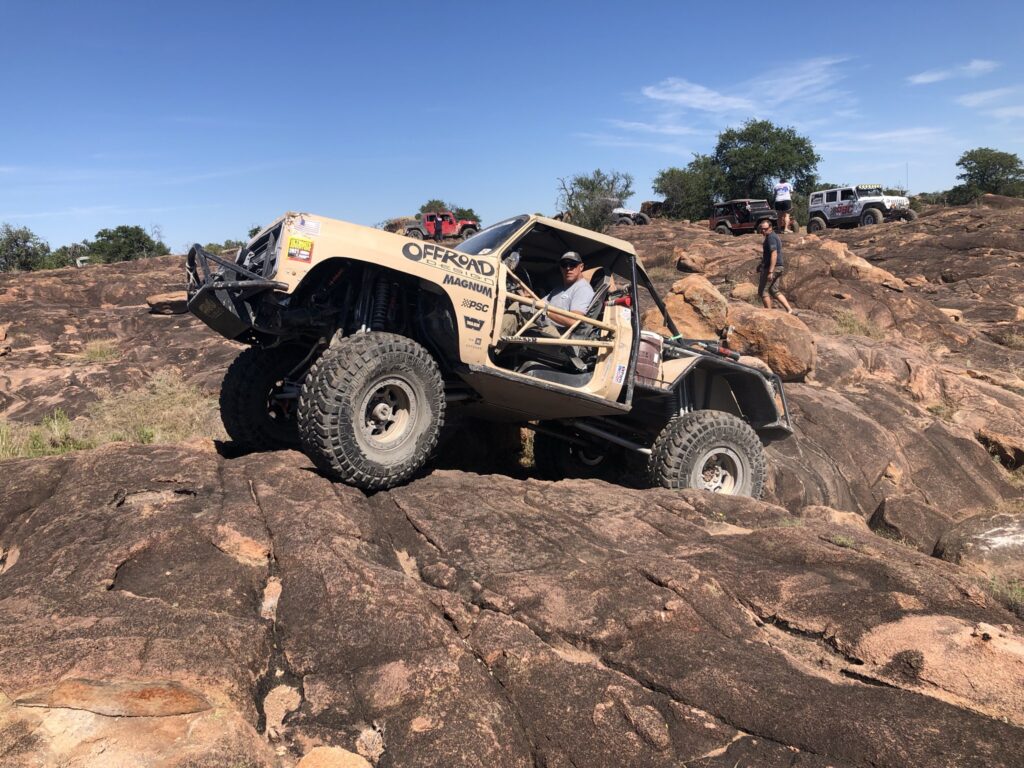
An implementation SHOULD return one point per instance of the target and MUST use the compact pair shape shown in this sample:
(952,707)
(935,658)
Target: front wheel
(642,219)
(624,221)
(816,224)
(415,234)
(709,450)
(256,406)
(468,232)
(371,410)
(870,216)
(723,230)
(910,216)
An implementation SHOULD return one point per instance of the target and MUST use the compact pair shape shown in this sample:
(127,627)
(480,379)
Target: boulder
(173,303)
(688,261)
(744,292)
(695,306)
(912,521)
(990,543)
(332,757)
(780,339)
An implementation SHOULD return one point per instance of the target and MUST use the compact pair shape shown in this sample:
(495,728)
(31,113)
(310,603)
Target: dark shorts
(773,286)
(783,206)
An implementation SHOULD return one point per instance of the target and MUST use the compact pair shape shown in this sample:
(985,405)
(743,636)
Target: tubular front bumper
(222,298)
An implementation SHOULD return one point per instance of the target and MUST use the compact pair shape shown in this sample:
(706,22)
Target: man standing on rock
(771,267)
(783,202)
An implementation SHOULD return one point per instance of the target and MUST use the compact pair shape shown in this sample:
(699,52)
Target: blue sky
(206,118)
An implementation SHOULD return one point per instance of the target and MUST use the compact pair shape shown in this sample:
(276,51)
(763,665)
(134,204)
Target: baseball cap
(571,256)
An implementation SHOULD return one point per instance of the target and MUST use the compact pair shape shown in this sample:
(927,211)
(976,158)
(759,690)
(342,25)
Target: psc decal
(476,306)
(450,261)
(300,248)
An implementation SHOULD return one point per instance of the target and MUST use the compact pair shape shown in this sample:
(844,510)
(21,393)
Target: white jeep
(857,206)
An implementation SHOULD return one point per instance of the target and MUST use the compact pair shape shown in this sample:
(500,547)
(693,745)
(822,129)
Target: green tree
(21,249)
(67,255)
(691,191)
(254,230)
(589,199)
(989,170)
(752,156)
(124,243)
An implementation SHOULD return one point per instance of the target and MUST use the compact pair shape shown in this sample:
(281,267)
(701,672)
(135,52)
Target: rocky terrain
(181,605)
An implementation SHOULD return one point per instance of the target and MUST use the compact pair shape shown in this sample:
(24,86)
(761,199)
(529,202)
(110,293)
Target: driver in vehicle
(574,295)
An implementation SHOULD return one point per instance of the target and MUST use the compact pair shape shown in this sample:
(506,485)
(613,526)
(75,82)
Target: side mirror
(512,261)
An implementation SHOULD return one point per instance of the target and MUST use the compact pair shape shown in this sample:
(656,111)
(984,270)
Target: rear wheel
(256,407)
(910,215)
(624,221)
(870,216)
(817,224)
(723,230)
(709,450)
(371,410)
(643,219)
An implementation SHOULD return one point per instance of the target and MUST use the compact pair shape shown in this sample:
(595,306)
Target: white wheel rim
(387,413)
(718,470)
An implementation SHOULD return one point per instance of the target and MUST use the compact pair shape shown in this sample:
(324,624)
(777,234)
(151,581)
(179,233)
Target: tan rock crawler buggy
(361,341)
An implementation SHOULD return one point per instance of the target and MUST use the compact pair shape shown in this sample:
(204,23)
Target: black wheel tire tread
(677,440)
(870,217)
(318,427)
(722,229)
(243,399)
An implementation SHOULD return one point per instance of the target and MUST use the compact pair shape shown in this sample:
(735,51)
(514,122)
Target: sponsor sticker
(455,263)
(620,374)
(473,323)
(476,306)
(300,248)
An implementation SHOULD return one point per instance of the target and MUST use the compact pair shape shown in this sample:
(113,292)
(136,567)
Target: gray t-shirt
(772,243)
(575,298)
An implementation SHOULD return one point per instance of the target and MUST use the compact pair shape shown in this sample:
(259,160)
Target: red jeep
(739,217)
(450,226)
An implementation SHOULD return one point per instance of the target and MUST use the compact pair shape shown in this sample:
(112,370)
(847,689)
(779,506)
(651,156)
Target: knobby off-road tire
(468,232)
(723,230)
(910,216)
(415,234)
(816,224)
(624,221)
(251,417)
(871,216)
(642,219)
(711,450)
(556,459)
(371,410)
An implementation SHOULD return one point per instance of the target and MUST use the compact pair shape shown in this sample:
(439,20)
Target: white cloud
(921,138)
(664,129)
(610,140)
(973,68)
(983,98)
(1008,112)
(979,67)
(689,95)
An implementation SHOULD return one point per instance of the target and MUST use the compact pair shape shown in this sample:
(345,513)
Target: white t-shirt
(783,191)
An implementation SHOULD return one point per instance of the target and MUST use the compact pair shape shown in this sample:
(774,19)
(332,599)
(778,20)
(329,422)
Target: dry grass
(1009,592)
(101,351)
(849,324)
(1015,341)
(165,409)
(842,541)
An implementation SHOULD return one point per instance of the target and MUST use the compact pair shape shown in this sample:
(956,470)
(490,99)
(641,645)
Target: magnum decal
(462,282)
(450,261)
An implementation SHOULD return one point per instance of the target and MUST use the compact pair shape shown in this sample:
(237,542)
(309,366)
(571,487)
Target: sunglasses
(567,265)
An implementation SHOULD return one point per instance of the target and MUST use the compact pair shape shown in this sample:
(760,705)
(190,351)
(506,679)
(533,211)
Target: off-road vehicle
(858,206)
(622,216)
(738,217)
(362,341)
(451,226)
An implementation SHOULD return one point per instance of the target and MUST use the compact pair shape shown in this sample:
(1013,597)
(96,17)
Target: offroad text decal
(474,305)
(473,323)
(450,261)
(300,248)
(469,285)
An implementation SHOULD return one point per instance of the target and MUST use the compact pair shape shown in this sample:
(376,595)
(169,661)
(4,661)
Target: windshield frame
(490,240)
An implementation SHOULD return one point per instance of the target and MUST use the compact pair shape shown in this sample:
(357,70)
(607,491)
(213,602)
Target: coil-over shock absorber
(382,291)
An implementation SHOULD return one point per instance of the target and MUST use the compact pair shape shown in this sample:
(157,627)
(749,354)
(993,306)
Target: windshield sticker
(307,227)
(620,374)
(300,248)
(451,261)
